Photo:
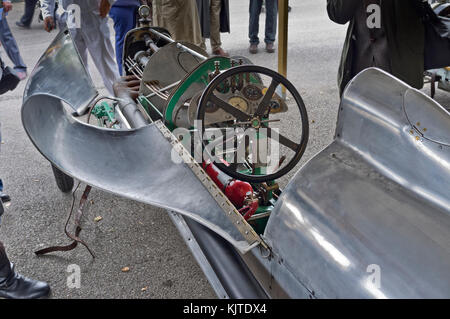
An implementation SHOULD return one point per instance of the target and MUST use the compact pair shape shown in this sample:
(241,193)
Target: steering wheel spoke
(263,106)
(238,114)
(281,139)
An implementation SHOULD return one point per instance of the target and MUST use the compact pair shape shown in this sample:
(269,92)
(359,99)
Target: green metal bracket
(199,75)
(104,111)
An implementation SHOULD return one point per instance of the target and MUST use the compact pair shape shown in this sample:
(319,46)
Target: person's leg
(203,45)
(4,261)
(1,182)
(28,15)
(255,11)
(95,33)
(124,20)
(10,45)
(5,198)
(271,21)
(189,25)
(216,43)
(14,285)
(180,18)
(81,45)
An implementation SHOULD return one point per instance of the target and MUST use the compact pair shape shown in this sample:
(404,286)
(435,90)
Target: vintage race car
(367,217)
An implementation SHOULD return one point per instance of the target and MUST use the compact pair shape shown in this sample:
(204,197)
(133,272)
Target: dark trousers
(2,210)
(27,17)
(271,20)
(1,182)
(124,20)
(4,262)
(10,45)
(5,267)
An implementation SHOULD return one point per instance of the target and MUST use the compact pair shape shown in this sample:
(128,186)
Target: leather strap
(75,237)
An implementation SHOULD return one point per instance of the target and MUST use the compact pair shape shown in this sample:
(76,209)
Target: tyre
(63,181)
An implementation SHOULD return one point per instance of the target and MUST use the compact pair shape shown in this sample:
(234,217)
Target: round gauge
(252,92)
(239,103)
(144,11)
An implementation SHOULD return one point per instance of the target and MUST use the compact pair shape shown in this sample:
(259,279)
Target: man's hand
(127,86)
(49,24)
(7,6)
(105,6)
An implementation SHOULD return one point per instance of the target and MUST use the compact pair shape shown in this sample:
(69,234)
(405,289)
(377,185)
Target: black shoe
(9,80)
(16,286)
(4,198)
(20,24)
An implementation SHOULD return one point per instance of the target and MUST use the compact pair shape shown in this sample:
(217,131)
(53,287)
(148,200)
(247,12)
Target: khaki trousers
(215,8)
(214,38)
(180,18)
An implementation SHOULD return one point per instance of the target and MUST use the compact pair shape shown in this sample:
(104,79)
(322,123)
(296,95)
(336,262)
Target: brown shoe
(270,48)
(220,52)
(253,48)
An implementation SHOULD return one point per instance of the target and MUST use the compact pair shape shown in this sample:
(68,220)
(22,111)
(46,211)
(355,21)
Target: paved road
(133,235)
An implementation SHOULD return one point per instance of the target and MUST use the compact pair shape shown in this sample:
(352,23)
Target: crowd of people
(396,46)
(193,21)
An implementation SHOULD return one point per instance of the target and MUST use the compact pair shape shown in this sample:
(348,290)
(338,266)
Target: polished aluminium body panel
(369,217)
(137,163)
(167,66)
(56,69)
